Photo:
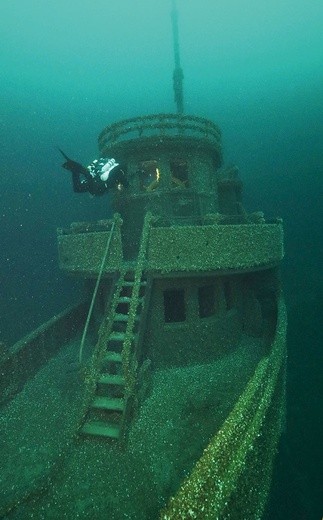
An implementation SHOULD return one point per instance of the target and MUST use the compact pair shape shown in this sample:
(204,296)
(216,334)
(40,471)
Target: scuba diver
(99,177)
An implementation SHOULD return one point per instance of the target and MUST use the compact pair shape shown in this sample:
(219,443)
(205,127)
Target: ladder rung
(101,429)
(124,317)
(113,357)
(130,284)
(117,336)
(121,317)
(124,299)
(127,299)
(111,379)
(120,336)
(108,403)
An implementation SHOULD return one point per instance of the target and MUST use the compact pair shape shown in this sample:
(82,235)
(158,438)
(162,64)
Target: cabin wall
(230,198)
(197,196)
(260,311)
(201,176)
(210,315)
(196,339)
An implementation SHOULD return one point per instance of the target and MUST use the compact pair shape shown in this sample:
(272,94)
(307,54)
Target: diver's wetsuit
(98,178)
(95,185)
(89,184)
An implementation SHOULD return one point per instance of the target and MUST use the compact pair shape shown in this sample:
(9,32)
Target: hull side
(232,478)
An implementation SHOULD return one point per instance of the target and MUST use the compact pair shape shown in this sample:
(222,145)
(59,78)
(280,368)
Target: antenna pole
(178,72)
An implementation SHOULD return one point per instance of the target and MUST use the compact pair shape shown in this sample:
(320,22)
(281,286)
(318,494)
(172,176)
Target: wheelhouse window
(179,173)
(206,298)
(149,175)
(174,305)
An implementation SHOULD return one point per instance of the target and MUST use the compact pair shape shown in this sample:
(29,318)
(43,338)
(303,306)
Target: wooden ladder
(105,415)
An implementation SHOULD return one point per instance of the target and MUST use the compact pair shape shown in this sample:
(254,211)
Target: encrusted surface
(224,247)
(83,252)
(206,493)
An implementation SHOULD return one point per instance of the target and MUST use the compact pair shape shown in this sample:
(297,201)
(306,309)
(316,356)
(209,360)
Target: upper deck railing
(160,125)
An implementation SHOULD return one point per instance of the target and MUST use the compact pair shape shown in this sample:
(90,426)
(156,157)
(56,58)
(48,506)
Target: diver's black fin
(73,166)
(64,154)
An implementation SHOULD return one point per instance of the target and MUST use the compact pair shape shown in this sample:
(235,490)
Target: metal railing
(160,125)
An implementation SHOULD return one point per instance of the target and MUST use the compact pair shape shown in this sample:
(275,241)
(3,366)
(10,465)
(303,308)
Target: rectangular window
(206,297)
(149,175)
(179,172)
(174,305)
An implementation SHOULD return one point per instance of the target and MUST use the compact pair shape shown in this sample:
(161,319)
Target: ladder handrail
(91,372)
(128,368)
(105,254)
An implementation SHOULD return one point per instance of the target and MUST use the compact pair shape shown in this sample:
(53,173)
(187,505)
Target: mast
(178,72)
